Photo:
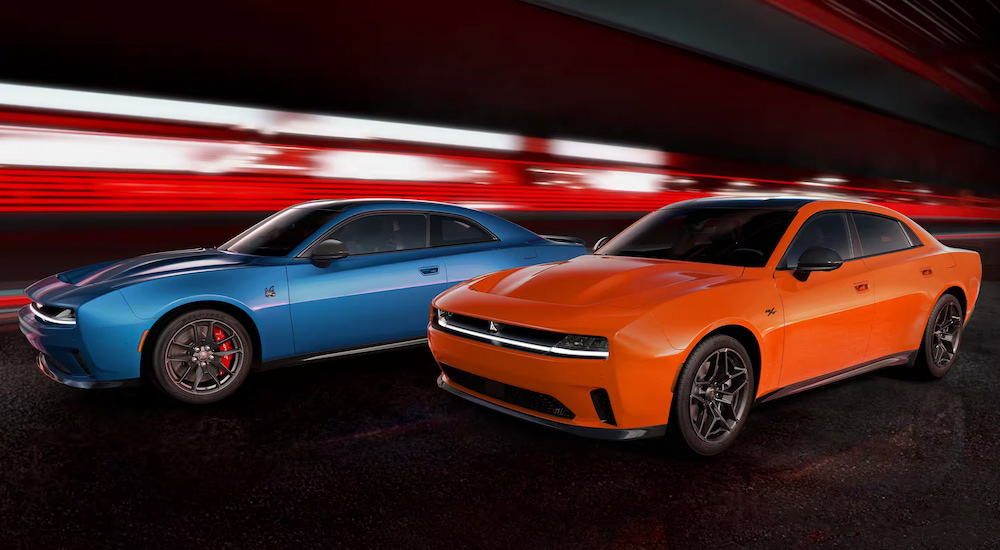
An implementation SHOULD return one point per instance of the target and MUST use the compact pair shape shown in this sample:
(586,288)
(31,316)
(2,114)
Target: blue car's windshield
(730,236)
(280,233)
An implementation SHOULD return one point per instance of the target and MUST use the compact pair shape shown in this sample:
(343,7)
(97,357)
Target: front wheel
(939,347)
(715,391)
(201,357)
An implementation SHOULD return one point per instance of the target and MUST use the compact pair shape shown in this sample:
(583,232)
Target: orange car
(696,312)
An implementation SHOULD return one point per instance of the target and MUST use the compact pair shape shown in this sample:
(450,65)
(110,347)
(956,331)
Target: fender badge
(770,312)
(269,292)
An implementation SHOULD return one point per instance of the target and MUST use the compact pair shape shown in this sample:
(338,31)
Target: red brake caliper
(220,336)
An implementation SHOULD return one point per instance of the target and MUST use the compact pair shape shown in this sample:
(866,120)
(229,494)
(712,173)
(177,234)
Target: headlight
(576,342)
(442,316)
(54,314)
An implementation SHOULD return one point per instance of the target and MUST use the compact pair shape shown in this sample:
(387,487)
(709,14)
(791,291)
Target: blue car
(315,281)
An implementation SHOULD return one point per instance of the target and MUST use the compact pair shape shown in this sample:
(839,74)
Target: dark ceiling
(495,64)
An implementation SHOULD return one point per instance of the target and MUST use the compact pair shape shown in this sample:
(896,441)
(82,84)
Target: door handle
(429,270)
(861,287)
(926,271)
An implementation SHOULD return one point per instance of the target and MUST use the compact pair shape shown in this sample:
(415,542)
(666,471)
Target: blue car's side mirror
(330,249)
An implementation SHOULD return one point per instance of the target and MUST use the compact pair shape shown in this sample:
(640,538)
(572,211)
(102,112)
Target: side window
(826,230)
(912,235)
(446,230)
(383,233)
(879,234)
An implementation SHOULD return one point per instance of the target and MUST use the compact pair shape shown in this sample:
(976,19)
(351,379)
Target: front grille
(530,340)
(514,395)
(512,332)
(602,404)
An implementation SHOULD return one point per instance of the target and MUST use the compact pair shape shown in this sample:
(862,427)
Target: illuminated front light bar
(598,151)
(63,317)
(262,120)
(593,347)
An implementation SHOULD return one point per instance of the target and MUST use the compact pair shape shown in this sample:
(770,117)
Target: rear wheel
(201,357)
(941,338)
(714,393)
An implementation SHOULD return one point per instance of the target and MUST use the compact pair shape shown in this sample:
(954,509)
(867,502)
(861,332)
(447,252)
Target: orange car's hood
(612,280)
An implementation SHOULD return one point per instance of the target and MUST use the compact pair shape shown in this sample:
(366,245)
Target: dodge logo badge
(494,327)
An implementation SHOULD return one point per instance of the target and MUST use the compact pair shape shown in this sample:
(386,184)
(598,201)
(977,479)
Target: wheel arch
(225,307)
(743,334)
(959,293)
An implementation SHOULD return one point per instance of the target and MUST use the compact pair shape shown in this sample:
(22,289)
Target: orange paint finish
(654,313)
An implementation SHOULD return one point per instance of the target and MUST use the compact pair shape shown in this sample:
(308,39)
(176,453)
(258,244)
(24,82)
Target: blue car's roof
(503,229)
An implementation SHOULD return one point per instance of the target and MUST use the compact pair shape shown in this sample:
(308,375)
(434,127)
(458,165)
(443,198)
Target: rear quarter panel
(968,275)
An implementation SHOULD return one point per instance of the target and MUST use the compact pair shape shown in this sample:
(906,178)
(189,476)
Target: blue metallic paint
(356,301)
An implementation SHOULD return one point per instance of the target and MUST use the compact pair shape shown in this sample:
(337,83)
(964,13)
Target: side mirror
(817,258)
(601,242)
(330,249)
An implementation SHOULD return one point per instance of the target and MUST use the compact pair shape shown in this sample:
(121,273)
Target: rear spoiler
(565,240)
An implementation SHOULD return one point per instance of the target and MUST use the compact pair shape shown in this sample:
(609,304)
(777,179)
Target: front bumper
(637,381)
(75,382)
(103,346)
(611,434)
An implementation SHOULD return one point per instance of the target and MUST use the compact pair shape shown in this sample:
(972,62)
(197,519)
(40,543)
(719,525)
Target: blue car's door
(469,250)
(379,293)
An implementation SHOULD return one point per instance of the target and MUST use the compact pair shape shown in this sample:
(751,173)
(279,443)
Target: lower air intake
(602,404)
(514,395)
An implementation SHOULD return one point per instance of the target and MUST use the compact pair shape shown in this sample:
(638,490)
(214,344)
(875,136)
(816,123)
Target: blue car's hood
(73,287)
(160,264)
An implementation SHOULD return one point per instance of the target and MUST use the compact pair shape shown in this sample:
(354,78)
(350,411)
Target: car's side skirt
(893,360)
(346,352)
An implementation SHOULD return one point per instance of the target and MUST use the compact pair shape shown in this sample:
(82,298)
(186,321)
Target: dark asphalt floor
(369,453)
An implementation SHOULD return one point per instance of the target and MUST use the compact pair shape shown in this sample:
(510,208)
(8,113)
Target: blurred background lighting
(356,128)
(387,166)
(34,147)
(123,105)
(581,149)
(616,180)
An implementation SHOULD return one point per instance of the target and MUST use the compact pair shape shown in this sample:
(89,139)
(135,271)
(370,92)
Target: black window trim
(855,236)
(783,264)
(493,238)
(893,218)
(427,231)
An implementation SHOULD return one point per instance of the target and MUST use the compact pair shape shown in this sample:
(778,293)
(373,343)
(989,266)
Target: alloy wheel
(946,336)
(203,356)
(719,395)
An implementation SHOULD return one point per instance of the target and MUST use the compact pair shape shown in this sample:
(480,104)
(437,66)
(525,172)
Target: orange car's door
(828,317)
(905,281)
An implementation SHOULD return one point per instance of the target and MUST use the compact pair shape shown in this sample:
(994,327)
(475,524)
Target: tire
(199,374)
(702,420)
(943,334)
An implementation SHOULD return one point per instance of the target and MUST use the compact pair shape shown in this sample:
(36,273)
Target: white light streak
(581,149)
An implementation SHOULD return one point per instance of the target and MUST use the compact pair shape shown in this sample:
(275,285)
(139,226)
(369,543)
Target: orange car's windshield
(730,236)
